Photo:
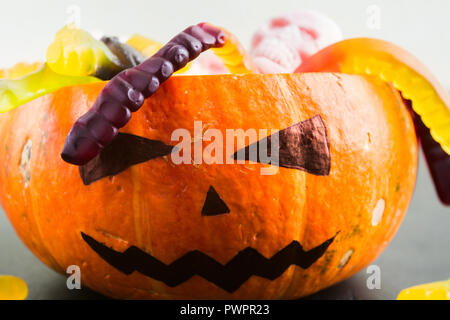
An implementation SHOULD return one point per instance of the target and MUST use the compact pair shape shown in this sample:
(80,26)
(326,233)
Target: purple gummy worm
(125,93)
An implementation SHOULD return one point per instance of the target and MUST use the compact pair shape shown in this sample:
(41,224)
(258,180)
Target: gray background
(420,251)
(27,27)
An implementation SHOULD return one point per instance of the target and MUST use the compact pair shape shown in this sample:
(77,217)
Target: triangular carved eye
(303,146)
(214,205)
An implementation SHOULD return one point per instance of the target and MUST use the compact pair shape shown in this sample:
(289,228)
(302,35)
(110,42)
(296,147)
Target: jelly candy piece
(430,291)
(12,288)
(127,55)
(19,70)
(15,92)
(233,55)
(391,63)
(145,46)
(126,92)
(208,63)
(281,45)
(74,52)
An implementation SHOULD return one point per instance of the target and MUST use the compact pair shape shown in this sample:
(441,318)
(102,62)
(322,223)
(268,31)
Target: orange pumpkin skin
(157,205)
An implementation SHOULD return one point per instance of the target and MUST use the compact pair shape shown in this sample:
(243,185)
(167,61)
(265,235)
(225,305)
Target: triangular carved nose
(214,205)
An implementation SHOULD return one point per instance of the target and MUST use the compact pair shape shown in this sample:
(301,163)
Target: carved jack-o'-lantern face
(303,146)
(141,226)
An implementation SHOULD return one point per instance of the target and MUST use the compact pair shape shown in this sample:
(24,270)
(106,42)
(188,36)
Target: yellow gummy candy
(393,64)
(233,55)
(75,52)
(430,291)
(426,101)
(146,46)
(15,92)
(12,288)
(19,69)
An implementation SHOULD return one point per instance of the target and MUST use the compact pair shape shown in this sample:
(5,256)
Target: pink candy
(281,45)
(207,63)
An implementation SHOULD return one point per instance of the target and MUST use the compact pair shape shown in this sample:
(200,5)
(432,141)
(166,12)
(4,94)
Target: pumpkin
(145,228)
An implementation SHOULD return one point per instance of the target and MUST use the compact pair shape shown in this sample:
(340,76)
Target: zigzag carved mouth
(229,277)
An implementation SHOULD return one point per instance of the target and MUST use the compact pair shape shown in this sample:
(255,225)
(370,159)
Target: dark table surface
(419,253)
